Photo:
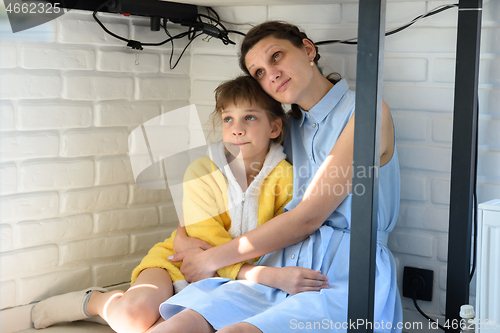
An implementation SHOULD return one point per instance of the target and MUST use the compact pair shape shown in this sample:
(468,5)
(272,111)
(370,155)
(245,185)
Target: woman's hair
(279,30)
(246,88)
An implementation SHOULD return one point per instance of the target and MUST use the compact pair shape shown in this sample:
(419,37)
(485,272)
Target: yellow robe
(205,209)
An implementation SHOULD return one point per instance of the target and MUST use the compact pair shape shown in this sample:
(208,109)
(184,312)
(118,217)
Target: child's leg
(186,321)
(137,309)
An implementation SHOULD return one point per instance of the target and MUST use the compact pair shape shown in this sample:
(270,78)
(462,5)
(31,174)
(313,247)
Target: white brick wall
(69,207)
(71,216)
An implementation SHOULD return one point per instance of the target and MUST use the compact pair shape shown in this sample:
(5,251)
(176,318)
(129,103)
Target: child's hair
(246,88)
(279,30)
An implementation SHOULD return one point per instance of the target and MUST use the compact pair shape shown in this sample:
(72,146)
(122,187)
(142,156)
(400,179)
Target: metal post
(463,166)
(367,125)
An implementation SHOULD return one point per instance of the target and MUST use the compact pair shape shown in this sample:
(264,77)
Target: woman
(313,231)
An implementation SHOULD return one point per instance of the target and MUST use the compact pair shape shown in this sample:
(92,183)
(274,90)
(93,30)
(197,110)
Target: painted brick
(442,129)
(490,71)
(29,206)
(141,31)
(397,69)
(8,292)
(487,192)
(491,12)
(168,215)
(423,217)
(423,40)
(56,174)
(23,146)
(29,86)
(489,132)
(410,127)
(427,158)
(489,164)
(56,283)
(158,88)
(111,171)
(330,13)
(7,117)
(331,63)
(341,33)
(183,65)
(52,230)
(126,61)
(396,12)
(112,273)
(54,116)
(243,14)
(443,70)
(5,237)
(28,260)
(41,33)
(8,178)
(8,56)
(139,195)
(95,199)
(419,98)
(215,65)
(411,243)
(126,219)
(413,188)
(442,249)
(162,139)
(97,88)
(141,243)
(168,106)
(440,191)
(204,112)
(94,248)
(75,31)
(490,37)
(203,90)
(46,57)
(204,43)
(443,272)
(489,100)
(125,114)
(95,142)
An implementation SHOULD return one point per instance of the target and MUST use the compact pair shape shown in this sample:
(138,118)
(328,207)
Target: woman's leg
(186,321)
(240,328)
(135,310)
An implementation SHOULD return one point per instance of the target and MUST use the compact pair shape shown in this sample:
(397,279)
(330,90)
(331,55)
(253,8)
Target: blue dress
(224,302)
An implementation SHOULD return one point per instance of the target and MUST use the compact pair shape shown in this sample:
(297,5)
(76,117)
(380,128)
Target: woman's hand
(294,280)
(194,265)
(183,242)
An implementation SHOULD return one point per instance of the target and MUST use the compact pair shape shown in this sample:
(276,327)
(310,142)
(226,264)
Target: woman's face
(282,69)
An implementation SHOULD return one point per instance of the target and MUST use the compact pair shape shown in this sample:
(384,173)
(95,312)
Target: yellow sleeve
(205,209)
(285,183)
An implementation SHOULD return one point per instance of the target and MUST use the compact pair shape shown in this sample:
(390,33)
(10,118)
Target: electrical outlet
(417,283)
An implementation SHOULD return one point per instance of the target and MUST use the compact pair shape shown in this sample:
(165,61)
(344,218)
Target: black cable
(393,31)
(426,316)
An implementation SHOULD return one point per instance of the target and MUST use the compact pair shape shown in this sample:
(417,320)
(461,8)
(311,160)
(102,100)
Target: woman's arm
(292,280)
(297,224)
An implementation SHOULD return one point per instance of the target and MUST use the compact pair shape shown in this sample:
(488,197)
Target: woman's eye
(276,56)
(259,73)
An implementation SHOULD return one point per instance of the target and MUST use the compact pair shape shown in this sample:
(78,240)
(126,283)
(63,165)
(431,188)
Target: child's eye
(227,119)
(250,118)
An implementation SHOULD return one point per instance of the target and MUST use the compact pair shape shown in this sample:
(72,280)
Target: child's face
(246,127)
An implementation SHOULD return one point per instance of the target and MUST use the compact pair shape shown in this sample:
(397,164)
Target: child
(226,194)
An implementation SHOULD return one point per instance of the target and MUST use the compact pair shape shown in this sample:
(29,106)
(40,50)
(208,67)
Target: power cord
(353,41)
(425,315)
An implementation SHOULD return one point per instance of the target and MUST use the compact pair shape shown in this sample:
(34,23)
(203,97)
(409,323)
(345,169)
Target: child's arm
(292,280)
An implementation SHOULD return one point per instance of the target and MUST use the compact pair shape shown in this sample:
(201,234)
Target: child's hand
(294,280)
(183,242)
